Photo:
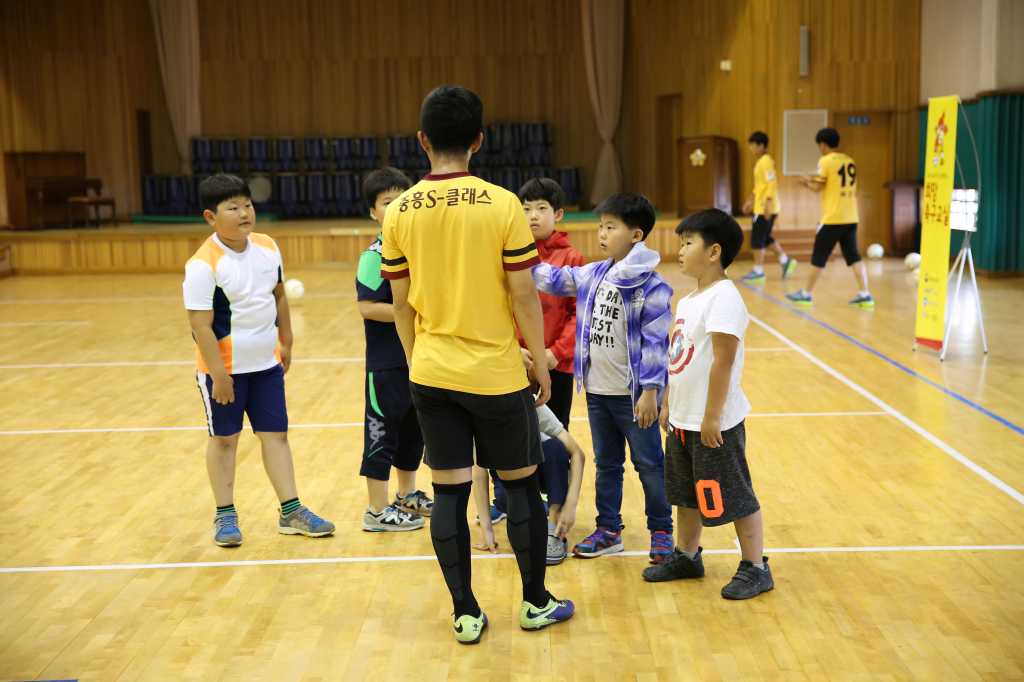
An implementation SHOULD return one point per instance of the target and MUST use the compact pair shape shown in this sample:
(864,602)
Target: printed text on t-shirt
(607,312)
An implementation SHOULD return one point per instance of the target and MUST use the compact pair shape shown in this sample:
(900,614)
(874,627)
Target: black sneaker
(675,566)
(749,581)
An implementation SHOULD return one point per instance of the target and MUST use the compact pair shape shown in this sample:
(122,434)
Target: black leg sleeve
(528,535)
(449,531)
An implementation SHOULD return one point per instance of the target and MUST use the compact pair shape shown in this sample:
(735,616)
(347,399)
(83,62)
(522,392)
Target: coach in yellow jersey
(458,252)
(836,180)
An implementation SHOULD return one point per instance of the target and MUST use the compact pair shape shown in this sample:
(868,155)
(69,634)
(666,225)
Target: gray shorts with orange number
(714,480)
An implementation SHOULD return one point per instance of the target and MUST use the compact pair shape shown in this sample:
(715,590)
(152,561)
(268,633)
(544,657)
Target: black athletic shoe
(675,566)
(749,581)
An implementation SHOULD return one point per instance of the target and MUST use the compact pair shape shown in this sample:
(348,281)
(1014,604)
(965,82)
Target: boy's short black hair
(221,187)
(634,209)
(759,138)
(451,118)
(829,136)
(381,180)
(547,189)
(715,227)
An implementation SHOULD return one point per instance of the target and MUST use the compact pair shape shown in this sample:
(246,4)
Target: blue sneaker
(226,532)
(496,515)
(863,301)
(800,299)
(304,522)
(753,278)
(788,268)
(416,503)
(556,611)
(600,542)
(662,544)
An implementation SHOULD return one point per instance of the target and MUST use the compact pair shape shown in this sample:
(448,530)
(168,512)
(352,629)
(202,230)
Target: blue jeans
(612,426)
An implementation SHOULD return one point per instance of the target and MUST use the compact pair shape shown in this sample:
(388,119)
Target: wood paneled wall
(351,67)
(865,56)
(72,74)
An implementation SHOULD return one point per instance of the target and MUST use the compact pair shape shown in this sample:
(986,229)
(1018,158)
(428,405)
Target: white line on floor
(156,363)
(430,557)
(914,426)
(42,324)
(755,350)
(128,299)
(339,424)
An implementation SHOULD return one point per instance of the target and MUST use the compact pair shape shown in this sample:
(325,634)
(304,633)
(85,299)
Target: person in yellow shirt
(836,181)
(458,253)
(764,204)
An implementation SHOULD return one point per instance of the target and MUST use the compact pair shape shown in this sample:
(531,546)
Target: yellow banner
(940,160)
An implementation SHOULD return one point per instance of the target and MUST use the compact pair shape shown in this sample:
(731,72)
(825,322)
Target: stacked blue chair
(315,152)
(537,145)
(367,153)
(344,156)
(510,144)
(286,159)
(482,156)
(511,179)
(398,151)
(287,194)
(484,174)
(318,196)
(195,203)
(230,156)
(151,198)
(176,195)
(538,173)
(418,158)
(346,193)
(258,155)
(202,155)
(569,179)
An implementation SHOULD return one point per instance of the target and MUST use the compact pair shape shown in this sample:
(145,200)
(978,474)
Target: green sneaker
(800,299)
(788,268)
(753,277)
(532,618)
(863,301)
(469,630)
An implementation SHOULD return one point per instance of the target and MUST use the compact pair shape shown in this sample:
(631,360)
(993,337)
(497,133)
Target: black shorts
(504,428)
(391,432)
(827,238)
(714,480)
(761,232)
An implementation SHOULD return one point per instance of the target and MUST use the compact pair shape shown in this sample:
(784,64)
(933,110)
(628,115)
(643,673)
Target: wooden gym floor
(893,513)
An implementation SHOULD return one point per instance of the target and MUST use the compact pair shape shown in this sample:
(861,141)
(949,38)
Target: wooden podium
(709,174)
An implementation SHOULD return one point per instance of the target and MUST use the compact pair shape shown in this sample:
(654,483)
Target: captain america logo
(680,350)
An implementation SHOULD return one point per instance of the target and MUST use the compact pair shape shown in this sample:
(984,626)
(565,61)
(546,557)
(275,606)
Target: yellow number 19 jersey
(839,198)
(765,186)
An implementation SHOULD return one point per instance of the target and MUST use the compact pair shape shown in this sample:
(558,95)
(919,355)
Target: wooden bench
(91,202)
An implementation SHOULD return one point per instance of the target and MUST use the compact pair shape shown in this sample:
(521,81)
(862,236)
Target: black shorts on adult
(504,428)
(714,480)
(761,231)
(827,238)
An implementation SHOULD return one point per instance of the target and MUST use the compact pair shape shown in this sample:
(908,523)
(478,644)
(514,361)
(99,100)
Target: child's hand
(527,359)
(566,520)
(647,409)
(663,418)
(286,357)
(223,390)
(748,207)
(488,543)
(552,360)
(711,432)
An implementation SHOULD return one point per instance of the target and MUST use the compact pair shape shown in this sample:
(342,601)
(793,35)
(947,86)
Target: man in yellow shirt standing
(458,253)
(836,180)
(764,204)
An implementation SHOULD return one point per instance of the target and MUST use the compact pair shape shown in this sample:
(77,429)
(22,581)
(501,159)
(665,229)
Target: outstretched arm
(555,281)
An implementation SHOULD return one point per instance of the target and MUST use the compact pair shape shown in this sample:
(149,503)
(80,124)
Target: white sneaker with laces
(391,519)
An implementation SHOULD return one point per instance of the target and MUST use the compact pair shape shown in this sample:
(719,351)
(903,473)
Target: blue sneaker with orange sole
(599,542)
(662,545)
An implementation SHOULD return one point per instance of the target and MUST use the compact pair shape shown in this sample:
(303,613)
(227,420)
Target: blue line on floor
(906,369)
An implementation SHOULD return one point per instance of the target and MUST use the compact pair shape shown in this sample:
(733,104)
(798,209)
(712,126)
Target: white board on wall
(800,153)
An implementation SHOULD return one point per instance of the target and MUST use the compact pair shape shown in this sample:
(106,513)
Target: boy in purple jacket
(623,318)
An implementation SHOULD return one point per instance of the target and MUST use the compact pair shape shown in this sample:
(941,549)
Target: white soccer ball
(875,252)
(917,274)
(912,260)
(294,288)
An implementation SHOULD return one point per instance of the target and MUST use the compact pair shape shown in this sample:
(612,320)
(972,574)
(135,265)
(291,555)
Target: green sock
(290,506)
(230,509)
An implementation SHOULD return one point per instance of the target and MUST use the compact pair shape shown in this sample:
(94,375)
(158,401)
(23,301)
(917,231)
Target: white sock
(759,269)
(864,294)
(783,258)
(689,555)
(805,293)
(760,566)
(551,529)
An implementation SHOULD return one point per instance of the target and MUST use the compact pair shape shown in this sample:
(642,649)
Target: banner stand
(963,257)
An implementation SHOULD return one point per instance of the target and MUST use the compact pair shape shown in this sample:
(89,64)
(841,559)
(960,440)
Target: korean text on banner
(938,189)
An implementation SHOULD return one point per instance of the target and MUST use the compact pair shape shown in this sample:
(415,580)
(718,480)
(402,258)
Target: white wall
(1009,72)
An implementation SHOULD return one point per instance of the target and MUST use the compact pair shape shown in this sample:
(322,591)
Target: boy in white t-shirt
(706,474)
(234,294)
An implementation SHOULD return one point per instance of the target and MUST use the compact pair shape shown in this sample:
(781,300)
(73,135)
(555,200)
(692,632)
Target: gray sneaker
(304,522)
(749,581)
(675,566)
(416,503)
(225,531)
(557,550)
(391,519)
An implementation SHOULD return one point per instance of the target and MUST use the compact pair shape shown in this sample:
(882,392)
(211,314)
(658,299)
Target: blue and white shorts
(258,394)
